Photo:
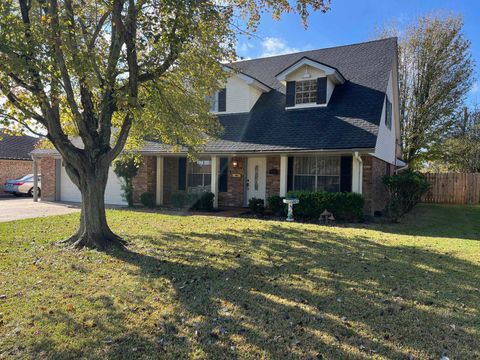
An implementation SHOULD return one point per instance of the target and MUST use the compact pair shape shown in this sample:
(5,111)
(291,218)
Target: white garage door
(113,192)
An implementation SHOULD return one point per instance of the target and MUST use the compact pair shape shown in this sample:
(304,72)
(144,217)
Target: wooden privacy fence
(453,188)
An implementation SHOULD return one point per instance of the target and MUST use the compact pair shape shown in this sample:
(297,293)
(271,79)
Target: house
(15,159)
(324,119)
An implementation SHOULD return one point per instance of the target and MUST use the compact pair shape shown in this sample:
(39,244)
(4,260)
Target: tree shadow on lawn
(435,220)
(293,293)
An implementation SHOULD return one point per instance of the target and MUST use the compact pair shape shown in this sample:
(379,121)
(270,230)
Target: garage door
(113,192)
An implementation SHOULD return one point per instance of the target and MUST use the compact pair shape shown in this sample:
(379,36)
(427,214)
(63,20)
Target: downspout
(360,171)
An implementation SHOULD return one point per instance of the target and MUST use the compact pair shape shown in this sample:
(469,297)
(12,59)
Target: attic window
(218,102)
(388,113)
(305,91)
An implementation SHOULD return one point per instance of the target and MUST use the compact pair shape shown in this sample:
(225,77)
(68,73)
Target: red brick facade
(374,192)
(13,169)
(234,196)
(273,176)
(146,179)
(170,177)
(48,179)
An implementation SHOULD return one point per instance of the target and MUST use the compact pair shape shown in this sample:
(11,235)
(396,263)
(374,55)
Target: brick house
(15,159)
(324,119)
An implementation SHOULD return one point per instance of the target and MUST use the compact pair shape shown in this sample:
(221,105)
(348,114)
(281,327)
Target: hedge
(345,206)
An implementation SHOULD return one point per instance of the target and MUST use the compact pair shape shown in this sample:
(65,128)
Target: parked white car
(21,186)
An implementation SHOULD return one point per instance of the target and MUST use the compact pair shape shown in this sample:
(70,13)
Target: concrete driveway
(13,208)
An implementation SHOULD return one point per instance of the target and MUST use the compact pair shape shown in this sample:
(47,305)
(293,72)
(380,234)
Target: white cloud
(272,46)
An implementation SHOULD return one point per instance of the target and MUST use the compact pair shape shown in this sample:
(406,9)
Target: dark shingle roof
(350,121)
(16,147)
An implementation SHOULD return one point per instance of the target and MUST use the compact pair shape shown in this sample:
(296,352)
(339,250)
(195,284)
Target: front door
(256,178)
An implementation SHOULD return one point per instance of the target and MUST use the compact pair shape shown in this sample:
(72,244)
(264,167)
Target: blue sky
(355,21)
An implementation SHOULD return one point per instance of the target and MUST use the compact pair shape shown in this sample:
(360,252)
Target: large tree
(112,71)
(460,150)
(435,74)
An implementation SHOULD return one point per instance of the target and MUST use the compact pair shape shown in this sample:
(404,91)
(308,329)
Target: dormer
(239,95)
(309,83)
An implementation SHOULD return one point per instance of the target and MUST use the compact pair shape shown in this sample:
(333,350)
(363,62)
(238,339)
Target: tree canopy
(118,71)
(435,74)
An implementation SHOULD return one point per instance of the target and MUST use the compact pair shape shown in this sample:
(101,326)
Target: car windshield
(26,178)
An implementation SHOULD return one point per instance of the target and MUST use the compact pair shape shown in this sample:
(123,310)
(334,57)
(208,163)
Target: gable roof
(350,121)
(329,71)
(16,147)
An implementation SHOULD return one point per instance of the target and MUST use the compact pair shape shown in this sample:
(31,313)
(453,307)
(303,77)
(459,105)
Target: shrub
(193,201)
(148,199)
(126,167)
(276,205)
(345,206)
(179,199)
(405,189)
(257,206)
(201,201)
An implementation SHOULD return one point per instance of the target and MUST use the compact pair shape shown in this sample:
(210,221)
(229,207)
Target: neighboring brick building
(15,160)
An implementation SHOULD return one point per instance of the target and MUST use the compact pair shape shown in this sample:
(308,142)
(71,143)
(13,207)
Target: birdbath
(290,202)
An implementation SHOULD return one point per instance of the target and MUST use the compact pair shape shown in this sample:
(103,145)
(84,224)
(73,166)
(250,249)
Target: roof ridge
(325,48)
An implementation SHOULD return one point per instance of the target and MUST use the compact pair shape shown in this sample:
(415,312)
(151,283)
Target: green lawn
(228,288)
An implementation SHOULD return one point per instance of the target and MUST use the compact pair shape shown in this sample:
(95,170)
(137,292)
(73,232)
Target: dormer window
(305,92)
(309,83)
(218,102)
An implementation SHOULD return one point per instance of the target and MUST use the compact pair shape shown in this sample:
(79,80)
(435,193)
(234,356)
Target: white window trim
(316,171)
(189,167)
(306,106)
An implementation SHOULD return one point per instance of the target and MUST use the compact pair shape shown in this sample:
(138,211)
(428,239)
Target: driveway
(12,208)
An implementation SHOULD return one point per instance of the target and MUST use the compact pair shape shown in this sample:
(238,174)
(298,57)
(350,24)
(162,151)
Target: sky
(353,21)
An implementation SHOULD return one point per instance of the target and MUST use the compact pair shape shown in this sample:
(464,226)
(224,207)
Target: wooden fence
(453,188)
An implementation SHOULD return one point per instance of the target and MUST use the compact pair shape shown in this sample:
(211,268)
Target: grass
(227,288)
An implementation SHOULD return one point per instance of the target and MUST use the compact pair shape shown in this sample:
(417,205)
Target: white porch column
(214,184)
(357,174)
(283,175)
(159,197)
(35,179)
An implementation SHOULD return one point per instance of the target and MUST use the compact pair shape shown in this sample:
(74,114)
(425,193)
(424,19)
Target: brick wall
(13,169)
(273,175)
(170,177)
(374,192)
(234,196)
(47,165)
(145,181)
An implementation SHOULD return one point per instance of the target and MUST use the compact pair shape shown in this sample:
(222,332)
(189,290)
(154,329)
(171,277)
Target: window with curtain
(199,175)
(316,173)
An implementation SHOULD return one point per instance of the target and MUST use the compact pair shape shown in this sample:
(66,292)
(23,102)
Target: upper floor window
(305,92)
(388,113)
(218,102)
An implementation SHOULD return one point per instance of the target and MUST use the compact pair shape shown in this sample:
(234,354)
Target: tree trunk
(93,231)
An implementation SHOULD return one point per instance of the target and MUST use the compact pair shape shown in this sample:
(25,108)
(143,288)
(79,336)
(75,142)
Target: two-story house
(324,119)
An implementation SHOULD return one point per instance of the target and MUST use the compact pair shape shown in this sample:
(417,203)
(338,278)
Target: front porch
(234,179)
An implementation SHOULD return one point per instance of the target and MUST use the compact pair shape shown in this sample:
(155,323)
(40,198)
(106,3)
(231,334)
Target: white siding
(386,139)
(241,97)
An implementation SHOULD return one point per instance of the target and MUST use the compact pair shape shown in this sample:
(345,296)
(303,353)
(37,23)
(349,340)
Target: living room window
(305,92)
(316,173)
(199,177)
